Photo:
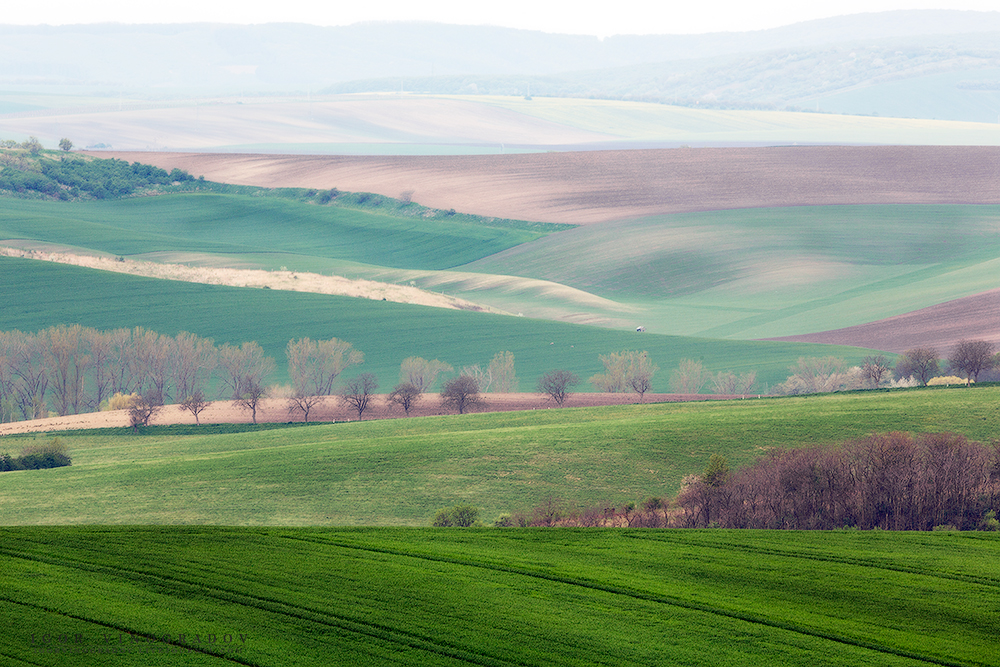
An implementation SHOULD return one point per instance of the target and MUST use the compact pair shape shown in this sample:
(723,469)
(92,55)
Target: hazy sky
(585,17)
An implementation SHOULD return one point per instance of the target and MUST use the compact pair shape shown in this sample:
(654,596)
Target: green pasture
(752,273)
(282,596)
(38,295)
(236,226)
(400,471)
(756,273)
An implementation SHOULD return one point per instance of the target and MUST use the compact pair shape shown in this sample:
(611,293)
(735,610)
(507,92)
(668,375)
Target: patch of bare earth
(596,186)
(974,317)
(332,409)
(291,281)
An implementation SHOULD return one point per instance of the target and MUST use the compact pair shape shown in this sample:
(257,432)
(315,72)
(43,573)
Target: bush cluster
(75,177)
(36,457)
(459,516)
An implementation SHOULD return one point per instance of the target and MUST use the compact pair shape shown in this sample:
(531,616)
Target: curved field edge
(400,471)
(41,294)
(218,595)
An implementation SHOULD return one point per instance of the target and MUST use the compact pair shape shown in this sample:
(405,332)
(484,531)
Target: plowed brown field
(940,327)
(276,410)
(596,186)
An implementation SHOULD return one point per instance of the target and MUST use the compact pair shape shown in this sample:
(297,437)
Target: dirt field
(597,186)
(276,410)
(975,317)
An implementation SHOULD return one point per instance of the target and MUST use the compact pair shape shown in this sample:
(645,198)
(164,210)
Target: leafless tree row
(72,369)
(69,369)
(893,482)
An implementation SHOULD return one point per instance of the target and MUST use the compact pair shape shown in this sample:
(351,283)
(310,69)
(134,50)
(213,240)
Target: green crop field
(759,273)
(400,471)
(244,225)
(44,294)
(754,273)
(207,596)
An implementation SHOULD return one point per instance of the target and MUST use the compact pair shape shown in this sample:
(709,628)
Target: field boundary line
(847,560)
(278,607)
(649,597)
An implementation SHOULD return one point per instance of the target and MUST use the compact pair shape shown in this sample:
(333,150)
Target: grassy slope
(42,294)
(496,597)
(240,225)
(756,273)
(739,274)
(399,472)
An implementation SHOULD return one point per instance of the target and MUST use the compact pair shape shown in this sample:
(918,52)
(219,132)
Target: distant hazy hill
(943,64)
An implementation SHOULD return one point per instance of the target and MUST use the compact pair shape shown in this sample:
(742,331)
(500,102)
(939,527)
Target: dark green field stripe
(282,608)
(19,661)
(119,628)
(651,597)
(990,582)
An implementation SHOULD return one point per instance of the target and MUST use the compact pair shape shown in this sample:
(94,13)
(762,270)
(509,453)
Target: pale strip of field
(345,119)
(291,281)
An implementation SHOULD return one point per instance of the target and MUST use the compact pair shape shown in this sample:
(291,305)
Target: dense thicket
(52,454)
(72,177)
(894,481)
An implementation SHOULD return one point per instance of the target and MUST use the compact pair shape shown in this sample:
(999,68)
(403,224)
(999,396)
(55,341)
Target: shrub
(459,516)
(52,454)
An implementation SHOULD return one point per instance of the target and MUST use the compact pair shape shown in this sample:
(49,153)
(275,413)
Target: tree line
(73,177)
(893,481)
(69,369)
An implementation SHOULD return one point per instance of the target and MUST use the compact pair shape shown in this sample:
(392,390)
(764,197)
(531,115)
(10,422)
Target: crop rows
(493,597)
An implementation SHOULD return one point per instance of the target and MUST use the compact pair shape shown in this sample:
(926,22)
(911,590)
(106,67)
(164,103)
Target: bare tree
(875,368)
(612,380)
(689,377)
(483,377)
(252,392)
(195,404)
(29,377)
(243,367)
(303,404)
(462,394)
(315,365)
(639,374)
(192,360)
(421,373)
(143,408)
(971,357)
(501,370)
(727,382)
(556,384)
(920,363)
(405,395)
(64,355)
(358,393)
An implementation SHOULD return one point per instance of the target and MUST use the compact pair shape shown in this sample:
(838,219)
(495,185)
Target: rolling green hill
(400,471)
(238,225)
(751,273)
(758,273)
(212,596)
(44,294)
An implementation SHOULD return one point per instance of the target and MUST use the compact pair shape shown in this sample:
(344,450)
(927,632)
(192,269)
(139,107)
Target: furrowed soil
(941,326)
(596,186)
